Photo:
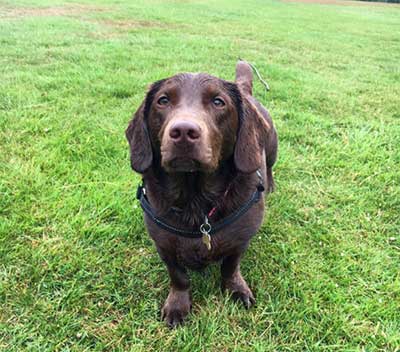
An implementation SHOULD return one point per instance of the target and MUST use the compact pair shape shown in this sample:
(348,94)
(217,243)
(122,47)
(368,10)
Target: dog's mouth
(187,160)
(184,165)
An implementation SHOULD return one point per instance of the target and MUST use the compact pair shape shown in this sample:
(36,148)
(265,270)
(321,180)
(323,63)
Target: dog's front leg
(232,280)
(178,303)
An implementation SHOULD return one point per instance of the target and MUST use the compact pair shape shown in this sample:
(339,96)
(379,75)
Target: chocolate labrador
(205,148)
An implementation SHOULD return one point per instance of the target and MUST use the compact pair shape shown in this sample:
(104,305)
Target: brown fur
(185,179)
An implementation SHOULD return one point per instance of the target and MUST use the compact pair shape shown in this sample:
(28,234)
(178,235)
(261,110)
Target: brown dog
(205,148)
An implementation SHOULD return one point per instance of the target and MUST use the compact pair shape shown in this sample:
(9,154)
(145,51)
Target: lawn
(77,269)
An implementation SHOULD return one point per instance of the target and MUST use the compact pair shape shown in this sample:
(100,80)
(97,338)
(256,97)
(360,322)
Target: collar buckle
(140,191)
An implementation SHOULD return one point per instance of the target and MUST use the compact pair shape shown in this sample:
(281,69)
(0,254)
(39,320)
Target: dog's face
(192,122)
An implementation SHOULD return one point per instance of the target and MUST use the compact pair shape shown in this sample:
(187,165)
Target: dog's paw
(239,290)
(246,297)
(176,307)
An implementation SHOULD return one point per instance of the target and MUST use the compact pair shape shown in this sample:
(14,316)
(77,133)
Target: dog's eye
(163,100)
(218,102)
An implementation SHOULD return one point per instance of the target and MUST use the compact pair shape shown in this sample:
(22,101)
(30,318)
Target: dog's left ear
(252,137)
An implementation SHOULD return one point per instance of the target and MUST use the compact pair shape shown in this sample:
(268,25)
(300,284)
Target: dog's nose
(185,131)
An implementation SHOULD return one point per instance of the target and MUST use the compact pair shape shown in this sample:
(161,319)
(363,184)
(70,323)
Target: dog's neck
(189,197)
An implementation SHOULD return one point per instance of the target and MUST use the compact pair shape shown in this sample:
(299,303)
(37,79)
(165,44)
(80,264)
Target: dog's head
(192,122)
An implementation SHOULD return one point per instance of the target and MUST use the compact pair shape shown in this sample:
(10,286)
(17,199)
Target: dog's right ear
(139,141)
(137,134)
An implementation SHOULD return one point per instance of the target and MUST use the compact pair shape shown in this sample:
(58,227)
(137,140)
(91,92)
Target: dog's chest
(194,254)
(197,253)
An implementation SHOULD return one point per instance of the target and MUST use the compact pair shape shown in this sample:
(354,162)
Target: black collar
(205,229)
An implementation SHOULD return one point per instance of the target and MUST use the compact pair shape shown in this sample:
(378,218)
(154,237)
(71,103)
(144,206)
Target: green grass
(77,269)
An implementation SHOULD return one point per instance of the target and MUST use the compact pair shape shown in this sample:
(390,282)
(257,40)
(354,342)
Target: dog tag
(207,240)
(205,229)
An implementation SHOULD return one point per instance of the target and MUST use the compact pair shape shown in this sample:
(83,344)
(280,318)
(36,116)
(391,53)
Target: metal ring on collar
(205,228)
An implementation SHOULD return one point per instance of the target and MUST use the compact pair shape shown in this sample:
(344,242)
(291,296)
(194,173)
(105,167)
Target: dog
(205,148)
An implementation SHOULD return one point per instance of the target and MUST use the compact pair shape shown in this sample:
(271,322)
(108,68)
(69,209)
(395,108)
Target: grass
(77,269)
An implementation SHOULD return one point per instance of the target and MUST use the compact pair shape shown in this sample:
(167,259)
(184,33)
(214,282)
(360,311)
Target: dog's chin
(185,165)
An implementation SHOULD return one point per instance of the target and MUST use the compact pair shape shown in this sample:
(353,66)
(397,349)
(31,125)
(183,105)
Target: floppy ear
(137,133)
(139,142)
(252,138)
